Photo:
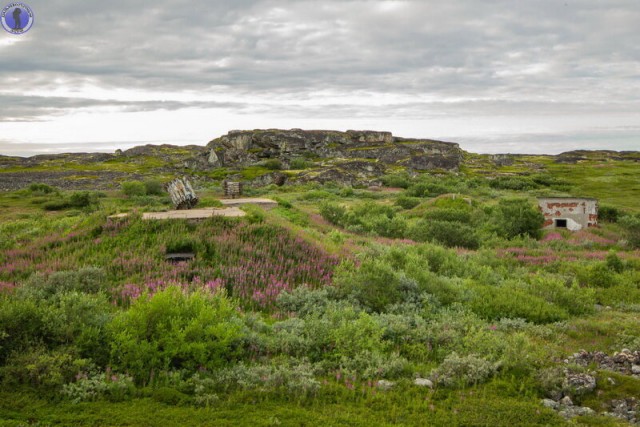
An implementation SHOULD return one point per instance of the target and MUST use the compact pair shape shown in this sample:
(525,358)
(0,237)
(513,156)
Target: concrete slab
(194,213)
(265,203)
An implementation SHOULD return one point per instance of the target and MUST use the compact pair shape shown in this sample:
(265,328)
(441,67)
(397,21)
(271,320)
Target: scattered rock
(626,409)
(385,385)
(579,383)
(635,369)
(621,362)
(423,382)
(566,401)
(575,411)
(550,403)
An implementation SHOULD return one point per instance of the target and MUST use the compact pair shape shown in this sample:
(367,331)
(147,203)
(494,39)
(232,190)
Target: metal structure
(232,189)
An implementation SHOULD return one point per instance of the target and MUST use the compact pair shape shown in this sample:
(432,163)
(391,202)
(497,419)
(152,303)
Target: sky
(495,76)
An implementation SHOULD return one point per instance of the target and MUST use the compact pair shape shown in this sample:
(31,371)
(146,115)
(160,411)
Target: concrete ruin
(570,213)
(182,194)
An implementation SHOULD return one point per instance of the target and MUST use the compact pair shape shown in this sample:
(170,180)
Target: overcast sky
(520,76)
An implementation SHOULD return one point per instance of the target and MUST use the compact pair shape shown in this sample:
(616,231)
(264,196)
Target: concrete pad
(194,213)
(266,203)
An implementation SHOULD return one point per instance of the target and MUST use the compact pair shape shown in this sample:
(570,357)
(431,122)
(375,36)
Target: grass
(491,404)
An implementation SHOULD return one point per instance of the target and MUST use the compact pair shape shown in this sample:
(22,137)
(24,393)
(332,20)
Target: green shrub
(463,370)
(450,234)
(516,217)
(153,187)
(94,386)
(272,164)
(608,213)
(174,330)
(384,226)
(86,279)
(41,189)
(39,367)
(299,163)
(428,189)
(255,214)
(396,181)
(333,213)
(79,200)
(133,188)
(574,299)
(169,396)
(407,202)
(495,303)
(374,284)
(631,226)
(513,183)
(450,215)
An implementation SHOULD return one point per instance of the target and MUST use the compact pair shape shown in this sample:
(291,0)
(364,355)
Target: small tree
(631,225)
(517,217)
(133,188)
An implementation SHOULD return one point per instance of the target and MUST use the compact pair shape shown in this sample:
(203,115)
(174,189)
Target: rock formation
(245,148)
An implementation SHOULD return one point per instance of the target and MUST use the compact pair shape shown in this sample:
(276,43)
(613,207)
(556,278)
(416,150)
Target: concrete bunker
(571,213)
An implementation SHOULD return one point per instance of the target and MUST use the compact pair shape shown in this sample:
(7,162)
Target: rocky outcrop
(245,148)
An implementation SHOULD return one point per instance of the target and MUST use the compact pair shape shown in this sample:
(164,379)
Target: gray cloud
(430,58)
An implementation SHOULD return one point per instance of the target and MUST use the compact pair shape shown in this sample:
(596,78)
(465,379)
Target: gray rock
(566,401)
(578,383)
(423,382)
(549,403)
(635,369)
(576,411)
(385,385)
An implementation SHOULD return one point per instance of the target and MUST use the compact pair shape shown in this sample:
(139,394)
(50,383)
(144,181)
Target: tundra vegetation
(435,300)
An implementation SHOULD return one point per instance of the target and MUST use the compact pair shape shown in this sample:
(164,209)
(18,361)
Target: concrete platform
(195,213)
(265,203)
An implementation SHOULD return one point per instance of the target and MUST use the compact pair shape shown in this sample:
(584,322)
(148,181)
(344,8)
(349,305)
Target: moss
(253,172)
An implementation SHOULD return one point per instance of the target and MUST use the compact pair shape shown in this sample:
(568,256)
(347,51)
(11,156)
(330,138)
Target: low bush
(133,188)
(450,215)
(397,180)
(94,386)
(631,226)
(516,217)
(299,163)
(463,370)
(450,234)
(407,202)
(78,200)
(495,303)
(374,284)
(174,330)
(153,187)
(272,164)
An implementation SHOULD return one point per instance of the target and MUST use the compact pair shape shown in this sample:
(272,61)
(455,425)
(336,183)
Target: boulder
(423,382)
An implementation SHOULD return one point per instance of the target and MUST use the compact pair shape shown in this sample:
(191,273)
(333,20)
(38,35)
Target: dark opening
(179,257)
(561,223)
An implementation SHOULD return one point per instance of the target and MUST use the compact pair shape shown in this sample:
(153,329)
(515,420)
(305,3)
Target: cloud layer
(472,70)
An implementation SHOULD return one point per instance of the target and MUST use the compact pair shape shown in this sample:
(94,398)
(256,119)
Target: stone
(579,383)
(566,401)
(576,411)
(385,385)
(423,382)
(635,369)
(550,403)
(245,148)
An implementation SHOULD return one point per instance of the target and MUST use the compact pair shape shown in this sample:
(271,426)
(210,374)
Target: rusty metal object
(182,194)
(232,189)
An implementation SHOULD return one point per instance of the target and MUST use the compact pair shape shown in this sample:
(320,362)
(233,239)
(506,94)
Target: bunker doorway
(561,223)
